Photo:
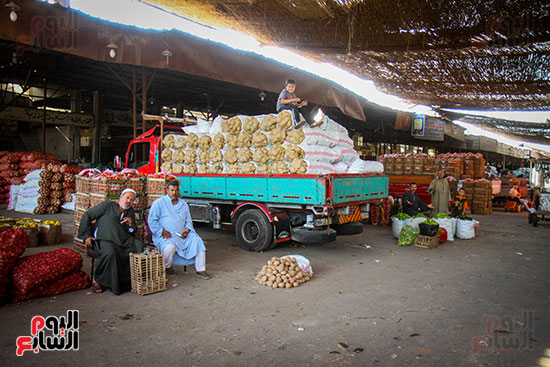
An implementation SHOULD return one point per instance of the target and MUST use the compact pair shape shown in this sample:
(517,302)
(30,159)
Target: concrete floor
(380,306)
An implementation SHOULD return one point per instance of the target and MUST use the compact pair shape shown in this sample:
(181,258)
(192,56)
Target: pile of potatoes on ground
(282,273)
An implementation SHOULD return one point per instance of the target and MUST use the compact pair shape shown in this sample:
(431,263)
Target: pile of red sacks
(14,166)
(40,275)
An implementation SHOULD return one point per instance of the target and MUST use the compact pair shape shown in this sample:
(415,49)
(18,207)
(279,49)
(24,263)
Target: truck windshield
(139,155)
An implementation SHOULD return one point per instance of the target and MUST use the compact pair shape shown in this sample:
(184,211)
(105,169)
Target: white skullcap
(127,190)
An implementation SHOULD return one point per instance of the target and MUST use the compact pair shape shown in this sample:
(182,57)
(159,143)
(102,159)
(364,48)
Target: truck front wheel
(254,231)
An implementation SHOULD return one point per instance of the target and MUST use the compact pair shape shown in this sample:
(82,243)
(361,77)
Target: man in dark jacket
(113,233)
(411,202)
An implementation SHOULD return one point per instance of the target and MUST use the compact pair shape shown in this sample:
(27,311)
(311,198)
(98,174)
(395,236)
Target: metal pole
(144,109)
(134,100)
(44,116)
(144,99)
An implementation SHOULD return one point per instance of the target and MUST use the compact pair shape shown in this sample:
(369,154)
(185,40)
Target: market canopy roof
(459,53)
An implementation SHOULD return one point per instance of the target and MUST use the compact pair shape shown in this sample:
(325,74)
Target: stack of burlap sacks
(260,145)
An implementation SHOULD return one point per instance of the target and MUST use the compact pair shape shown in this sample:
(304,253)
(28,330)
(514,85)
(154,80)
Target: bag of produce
(465,228)
(398,221)
(447,223)
(13,243)
(416,220)
(428,228)
(442,235)
(407,236)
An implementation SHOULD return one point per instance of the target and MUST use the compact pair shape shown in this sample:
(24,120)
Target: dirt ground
(480,302)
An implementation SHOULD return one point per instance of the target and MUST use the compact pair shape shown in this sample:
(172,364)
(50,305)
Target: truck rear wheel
(349,228)
(254,231)
(307,235)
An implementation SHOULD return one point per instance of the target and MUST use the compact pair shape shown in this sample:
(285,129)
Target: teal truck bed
(332,189)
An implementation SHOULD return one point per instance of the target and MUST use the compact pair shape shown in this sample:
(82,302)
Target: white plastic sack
(455,222)
(361,166)
(203,126)
(303,262)
(320,153)
(448,225)
(397,225)
(70,205)
(414,222)
(346,154)
(320,168)
(26,204)
(216,126)
(192,129)
(14,189)
(33,175)
(465,229)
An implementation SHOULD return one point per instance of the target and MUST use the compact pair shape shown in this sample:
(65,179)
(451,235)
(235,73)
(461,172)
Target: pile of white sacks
(263,145)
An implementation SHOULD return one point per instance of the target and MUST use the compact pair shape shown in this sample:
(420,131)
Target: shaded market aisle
(370,302)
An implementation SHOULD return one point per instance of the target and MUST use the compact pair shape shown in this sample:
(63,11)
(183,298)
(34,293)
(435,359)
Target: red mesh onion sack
(13,243)
(70,282)
(32,271)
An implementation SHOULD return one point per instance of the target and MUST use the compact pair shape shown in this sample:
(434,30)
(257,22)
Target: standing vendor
(411,202)
(441,193)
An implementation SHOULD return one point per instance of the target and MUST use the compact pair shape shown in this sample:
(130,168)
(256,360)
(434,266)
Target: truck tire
(348,228)
(306,235)
(254,231)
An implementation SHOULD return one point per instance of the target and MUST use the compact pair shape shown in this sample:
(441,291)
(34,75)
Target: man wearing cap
(173,233)
(113,234)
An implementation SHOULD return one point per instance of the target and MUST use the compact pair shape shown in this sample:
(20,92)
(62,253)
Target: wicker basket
(148,273)
(156,186)
(151,198)
(82,184)
(136,184)
(82,200)
(140,202)
(78,213)
(427,241)
(104,186)
(80,247)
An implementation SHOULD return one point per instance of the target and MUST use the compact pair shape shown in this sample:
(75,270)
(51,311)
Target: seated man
(173,232)
(514,195)
(114,237)
(411,202)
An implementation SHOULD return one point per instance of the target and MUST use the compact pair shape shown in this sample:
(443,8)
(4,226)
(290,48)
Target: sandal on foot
(98,288)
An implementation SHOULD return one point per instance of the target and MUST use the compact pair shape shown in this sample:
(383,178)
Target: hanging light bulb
(113,47)
(167,54)
(262,95)
(14,9)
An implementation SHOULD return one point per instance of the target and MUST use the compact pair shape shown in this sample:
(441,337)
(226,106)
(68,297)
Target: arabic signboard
(52,117)
(434,129)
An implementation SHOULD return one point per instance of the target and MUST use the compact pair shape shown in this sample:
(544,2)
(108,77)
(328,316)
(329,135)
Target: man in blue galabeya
(174,234)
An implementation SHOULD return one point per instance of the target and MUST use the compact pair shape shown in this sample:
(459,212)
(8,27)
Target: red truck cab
(143,152)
